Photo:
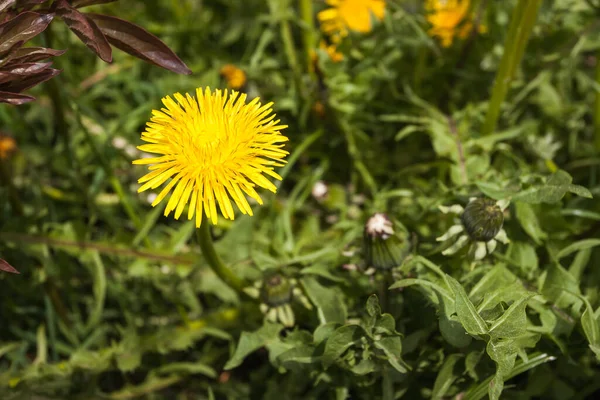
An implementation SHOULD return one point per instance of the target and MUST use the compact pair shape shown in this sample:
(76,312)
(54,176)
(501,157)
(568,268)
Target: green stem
(13,197)
(308,33)
(521,25)
(213,259)
(597,105)
(280,11)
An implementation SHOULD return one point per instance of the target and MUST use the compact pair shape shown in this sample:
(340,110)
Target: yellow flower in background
(213,147)
(235,77)
(449,19)
(330,49)
(352,15)
(7,146)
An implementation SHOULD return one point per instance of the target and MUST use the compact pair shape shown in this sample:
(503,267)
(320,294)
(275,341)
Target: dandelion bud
(482,219)
(276,290)
(384,247)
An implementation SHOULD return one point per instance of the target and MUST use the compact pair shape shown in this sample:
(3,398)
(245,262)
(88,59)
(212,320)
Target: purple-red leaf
(9,53)
(24,69)
(85,3)
(4,266)
(15,99)
(29,3)
(33,54)
(85,29)
(22,28)
(4,4)
(24,83)
(140,43)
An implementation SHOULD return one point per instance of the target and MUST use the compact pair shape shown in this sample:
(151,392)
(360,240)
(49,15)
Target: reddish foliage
(21,67)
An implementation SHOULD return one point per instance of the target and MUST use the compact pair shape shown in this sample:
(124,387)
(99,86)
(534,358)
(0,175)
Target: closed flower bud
(384,247)
(482,219)
(276,290)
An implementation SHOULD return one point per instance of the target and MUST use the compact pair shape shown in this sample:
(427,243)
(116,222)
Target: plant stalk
(597,106)
(521,25)
(213,259)
(308,33)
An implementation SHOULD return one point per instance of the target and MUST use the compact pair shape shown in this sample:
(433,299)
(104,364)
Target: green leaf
(467,314)
(453,332)
(341,340)
(303,354)
(560,286)
(529,221)
(373,308)
(495,191)
(187,368)
(99,290)
(579,245)
(552,191)
(513,322)
(252,341)
(589,323)
(445,377)
(392,347)
(520,367)
(524,256)
(324,331)
(328,300)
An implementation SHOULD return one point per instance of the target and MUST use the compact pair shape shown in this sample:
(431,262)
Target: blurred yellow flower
(213,147)
(352,15)
(235,77)
(330,49)
(7,146)
(449,19)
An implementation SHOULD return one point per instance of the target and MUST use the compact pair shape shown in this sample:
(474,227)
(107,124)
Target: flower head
(352,15)
(7,146)
(276,294)
(384,247)
(449,19)
(213,148)
(235,77)
(480,224)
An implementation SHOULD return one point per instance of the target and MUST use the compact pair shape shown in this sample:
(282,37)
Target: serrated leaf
(327,299)
(341,340)
(513,322)
(252,341)
(552,191)
(466,311)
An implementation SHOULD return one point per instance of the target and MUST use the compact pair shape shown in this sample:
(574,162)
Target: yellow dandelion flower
(7,146)
(213,147)
(449,19)
(352,15)
(235,77)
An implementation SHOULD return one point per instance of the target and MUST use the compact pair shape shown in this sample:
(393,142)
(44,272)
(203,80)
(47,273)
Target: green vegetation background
(110,305)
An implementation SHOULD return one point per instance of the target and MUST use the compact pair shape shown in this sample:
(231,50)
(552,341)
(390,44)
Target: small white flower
(119,142)
(319,190)
(379,225)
